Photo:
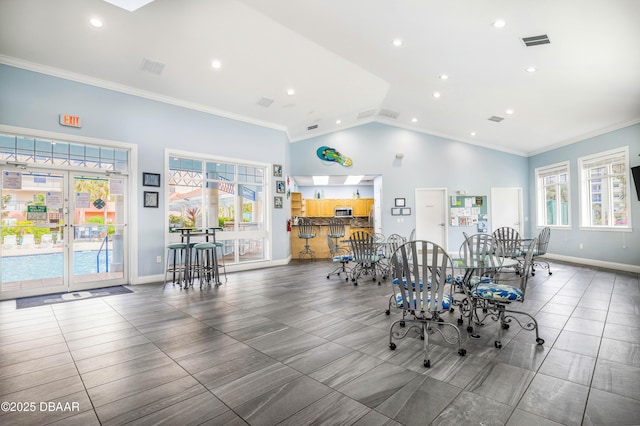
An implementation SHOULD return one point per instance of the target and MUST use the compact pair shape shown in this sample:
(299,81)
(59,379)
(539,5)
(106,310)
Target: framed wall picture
(277,170)
(150,179)
(151,199)
(277,202)
(406,211)
(400,202)
(280,187)
(396,211)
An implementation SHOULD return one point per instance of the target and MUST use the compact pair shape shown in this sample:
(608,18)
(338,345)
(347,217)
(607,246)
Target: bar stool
(305,230)
(220,261)
(336,233)
(177,252)
(204,264)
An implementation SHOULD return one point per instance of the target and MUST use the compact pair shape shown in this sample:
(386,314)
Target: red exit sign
(70,120)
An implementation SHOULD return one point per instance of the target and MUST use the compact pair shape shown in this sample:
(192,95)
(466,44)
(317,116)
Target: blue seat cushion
(498,292)
(371,258)
(404,283)
(447,300)
(342,258)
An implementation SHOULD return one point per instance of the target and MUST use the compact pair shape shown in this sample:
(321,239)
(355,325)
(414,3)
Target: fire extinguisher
(288,225)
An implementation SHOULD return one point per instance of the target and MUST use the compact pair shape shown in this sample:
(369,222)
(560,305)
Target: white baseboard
(593,262)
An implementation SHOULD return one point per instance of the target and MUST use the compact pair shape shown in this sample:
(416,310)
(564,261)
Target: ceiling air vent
(154,67)
(365,114)
(536,40)
(496,118)
(388,113)
(313,127)
(265,102)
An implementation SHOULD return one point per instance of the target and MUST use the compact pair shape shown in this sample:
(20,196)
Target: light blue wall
(429,162)
(600,245)
(32,100)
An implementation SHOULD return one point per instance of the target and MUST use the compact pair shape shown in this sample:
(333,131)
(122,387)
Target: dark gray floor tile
(108,374)
(124,410)
(254,384)
(628,333)
(333,409)
(521,354)
(373,418)
(501,382)
(282,401)
(419,401)
(117,357)
(523,418)
(620,379)
(229,369)
(569,366)
(469,408)
(317,357)
(590,314)
(345,369)
(38,377)
(621,352)
(604,408)
(578,342)
(555,399)
(378,384)
(129,386)
(585,326)
(35,360)
(86,418)
(191,411)
(105,348)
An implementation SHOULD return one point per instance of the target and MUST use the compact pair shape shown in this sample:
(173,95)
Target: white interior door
(506,208)
(431,215)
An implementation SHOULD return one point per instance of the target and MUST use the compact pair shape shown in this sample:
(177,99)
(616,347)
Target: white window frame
(603,158)
(541,173)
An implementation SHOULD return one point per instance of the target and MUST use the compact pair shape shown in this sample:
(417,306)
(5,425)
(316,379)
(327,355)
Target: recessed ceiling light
(509,111)
(216,64)
(472,133)
(443,76)
(338,121)
(353,180)
(436,94)
(499,23)
(531,69)
(414,120)
(320,180)
(397,42)
(291,92)
(96,23)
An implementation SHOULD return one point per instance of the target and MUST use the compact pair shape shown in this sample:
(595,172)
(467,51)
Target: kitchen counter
(319,244)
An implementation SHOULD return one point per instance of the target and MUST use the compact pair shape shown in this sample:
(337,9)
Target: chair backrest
(363,247)
(335,249)
(412,235)
(522,277)
(484,252)
(336,228)
(510,241)
(393,242)
(543,241)
(421,269)
(305,228)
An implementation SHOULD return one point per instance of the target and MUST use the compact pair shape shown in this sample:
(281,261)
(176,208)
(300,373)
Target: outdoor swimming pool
(39,266)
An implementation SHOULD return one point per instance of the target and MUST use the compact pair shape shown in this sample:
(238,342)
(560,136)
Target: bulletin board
(469,210)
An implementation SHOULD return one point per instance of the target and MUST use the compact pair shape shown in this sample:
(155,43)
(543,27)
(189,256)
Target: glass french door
(61,231)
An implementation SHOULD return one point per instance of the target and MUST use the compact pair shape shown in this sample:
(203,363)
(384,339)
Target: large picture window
(552,188)
(604,194)
(209,193)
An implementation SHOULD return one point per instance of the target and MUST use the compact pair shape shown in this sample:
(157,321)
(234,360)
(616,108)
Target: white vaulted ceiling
(339,58)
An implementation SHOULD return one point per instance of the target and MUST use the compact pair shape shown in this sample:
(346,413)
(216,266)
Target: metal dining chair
(306,232)
(423,291)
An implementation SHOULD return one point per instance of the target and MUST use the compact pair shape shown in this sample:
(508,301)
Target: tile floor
(285,345)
